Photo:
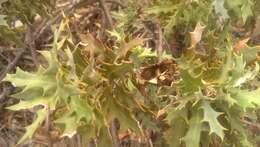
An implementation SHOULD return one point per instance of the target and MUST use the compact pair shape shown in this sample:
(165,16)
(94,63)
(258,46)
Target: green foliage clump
(87,87)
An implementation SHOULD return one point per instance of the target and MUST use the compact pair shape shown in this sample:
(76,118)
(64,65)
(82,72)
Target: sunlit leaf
(29,104)
(70,124)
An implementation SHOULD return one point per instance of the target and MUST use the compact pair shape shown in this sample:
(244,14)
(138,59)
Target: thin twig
(159,41)
(107,14)
(69,10)
(4,93)
(116,2)
(114,133)
(254,125)
(5,58)
(11,65)
(92,143)
(47,127)
(30,42)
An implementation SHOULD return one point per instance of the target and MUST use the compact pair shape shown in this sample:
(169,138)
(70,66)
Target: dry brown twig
(159,48)
(11,65)
(107,14)
(116,2)
(59,15)
(30,42)
(114,133)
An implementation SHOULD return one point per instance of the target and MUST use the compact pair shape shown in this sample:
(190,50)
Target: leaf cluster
(87,86)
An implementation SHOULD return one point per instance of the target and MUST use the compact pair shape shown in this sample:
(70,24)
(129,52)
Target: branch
(114,133)
(30,42)
(70,9)
(256,126)
(107,14)
(116,2)
(159,48)
(11,65)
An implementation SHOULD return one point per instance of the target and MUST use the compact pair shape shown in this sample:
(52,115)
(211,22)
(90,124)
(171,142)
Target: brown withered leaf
(240,45)
(159,73)
(196,35)
(161,113)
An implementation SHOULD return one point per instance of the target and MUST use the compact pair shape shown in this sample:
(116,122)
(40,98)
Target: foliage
(87,86)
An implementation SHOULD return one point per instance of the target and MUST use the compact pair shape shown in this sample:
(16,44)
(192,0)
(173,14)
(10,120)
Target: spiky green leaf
(211,117)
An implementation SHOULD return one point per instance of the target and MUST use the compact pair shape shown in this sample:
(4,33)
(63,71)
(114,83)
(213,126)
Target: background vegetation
(157,73)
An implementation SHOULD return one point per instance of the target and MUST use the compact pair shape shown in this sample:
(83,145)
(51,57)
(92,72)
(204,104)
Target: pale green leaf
(246,99)
(29,104)
(210,116)
(44,78)
(31,80)
(43,87)
(70,124)
(239,66)
(250,75)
